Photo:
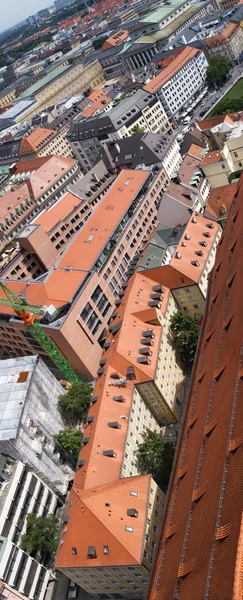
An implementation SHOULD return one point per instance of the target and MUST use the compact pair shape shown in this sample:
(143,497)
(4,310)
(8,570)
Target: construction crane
(27,313)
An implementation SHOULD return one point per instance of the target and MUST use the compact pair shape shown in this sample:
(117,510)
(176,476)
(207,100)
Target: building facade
(40,189)
(30,395)
(44,142)
(200,548)
(86,284)
(228,43)
(180,81)
(22,492)
(139,110)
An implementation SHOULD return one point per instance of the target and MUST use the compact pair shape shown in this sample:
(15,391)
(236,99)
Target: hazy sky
(13,11)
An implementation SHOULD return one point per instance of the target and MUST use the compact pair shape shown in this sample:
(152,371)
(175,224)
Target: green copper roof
(163,11)
(39,85)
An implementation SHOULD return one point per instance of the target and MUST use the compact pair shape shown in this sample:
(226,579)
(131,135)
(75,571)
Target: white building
(22,492)
(29,418)
(180,81)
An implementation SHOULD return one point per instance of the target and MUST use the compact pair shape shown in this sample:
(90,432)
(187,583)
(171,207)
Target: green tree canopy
(218,70)
(155,456)
(42,535)
(227,106)
(137,129)
(185,331)
(98,43)
(68,443)
(234,175)
(74,404)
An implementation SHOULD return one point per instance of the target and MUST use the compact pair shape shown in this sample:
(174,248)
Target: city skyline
(16,12)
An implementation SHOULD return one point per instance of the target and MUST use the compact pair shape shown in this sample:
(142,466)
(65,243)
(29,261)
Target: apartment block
(146,149)
(220,129)
(44,142)
(62,82)
(180,81)
(228,43)
(187,192)
(30,418)
(41,187)
(22,492)
(118,510)
(9,593)
(45,240)
(217,165)
(86,278)
(140,109)
(200,549)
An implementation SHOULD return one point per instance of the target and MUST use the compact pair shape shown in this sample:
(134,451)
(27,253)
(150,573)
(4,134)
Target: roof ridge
(108,528)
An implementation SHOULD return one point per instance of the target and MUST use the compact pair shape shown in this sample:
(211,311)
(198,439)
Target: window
(134,493)
(130,529)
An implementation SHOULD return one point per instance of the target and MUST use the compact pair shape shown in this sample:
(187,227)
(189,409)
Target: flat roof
(163,11)
(58,211)
(81,254)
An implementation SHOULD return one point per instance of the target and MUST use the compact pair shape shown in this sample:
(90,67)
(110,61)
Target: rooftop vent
(85,440)
(154,304)
(92,552)
(131,373)
(156,296)
(145,351)
(89,419)
(199,252)
(146,342)
(94,399)
(115,375)
(194,220)
(109,453)
(177,255)
(186,236)
(118,399)
(132,512)
(203,244)
(100,372)
(149,333)
(144,360)
(114,425)
(158,288)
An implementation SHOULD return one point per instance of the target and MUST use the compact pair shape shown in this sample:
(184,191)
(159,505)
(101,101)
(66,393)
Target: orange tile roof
(200,546)
(207,124)
(36,185)
(36,139)
(195,151)
(88,513)
(180,61)
(50,217)
(187,252)
(213,156)
(80,255)
(222,38)
(92,238)
(97,94)
(23,166)
(220,199)
(95,107)
(115,39)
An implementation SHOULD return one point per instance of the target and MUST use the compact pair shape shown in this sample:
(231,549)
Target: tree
(227,105)
(137,129)
(42,535)
(98,43)
(218,70)
(68,443)
(156,456)
(234,175)
(74,405)
(185,331)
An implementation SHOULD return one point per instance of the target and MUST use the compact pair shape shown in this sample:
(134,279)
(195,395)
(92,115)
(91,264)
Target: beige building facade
(78,78)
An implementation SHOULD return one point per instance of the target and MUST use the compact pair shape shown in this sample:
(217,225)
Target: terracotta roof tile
(157,82)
